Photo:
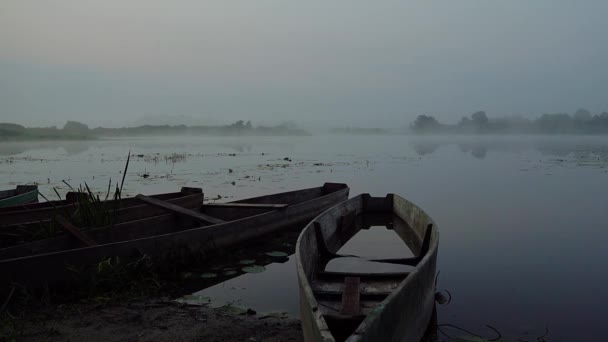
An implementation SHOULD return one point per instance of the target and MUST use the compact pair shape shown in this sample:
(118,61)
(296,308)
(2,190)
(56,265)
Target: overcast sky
(369,63)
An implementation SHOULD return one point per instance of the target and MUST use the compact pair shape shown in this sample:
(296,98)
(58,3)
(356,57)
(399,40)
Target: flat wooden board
(377,287)
(246,205)
(75,232)
(351,297)
(179,210)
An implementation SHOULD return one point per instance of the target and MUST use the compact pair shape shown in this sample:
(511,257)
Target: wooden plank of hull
(401,315)
(120,215)
(46,210)
(246,205)
(50,268)
(75,232)
(351,296)
(179,210)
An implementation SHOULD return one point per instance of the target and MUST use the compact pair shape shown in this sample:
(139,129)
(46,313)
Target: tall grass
(92,210)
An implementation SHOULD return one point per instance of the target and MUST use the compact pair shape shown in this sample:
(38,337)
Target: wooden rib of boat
(21,195)
(45,211)
(351,306)
(179,235)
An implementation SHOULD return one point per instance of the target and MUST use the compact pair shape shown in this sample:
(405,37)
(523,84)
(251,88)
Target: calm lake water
(522,219)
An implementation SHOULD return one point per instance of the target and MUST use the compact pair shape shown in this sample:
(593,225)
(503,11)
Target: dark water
(522,219)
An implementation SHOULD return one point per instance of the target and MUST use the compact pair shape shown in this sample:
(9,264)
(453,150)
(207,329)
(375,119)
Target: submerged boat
(358,306)
(21,195)
(171,238)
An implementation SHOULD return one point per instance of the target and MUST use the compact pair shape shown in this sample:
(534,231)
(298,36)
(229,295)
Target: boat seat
(368,288)
(351,296)
(328,275)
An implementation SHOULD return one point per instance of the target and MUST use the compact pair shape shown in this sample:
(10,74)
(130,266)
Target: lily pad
(273,314)
(194,300)
(247,262)
(254,269)
(185,275)
(233,310)
(209,275)
(230,272)
(277,254)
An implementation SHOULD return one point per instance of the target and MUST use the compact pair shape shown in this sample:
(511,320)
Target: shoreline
(153,319)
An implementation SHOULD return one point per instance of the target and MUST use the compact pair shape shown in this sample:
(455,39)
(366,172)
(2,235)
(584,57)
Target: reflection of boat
(174,237)
(22,194)
(356,306)
(44,211)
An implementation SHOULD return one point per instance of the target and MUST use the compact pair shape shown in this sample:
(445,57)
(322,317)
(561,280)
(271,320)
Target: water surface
(522,219)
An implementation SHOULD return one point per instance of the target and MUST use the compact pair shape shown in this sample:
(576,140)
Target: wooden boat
(22,194)
(175,237)
(45,211)
(112,211)
(347,306)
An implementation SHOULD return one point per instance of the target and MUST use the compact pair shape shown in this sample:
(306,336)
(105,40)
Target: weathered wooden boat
(179,235)
(106,212)
(22,194)
(45,211)
(351,306)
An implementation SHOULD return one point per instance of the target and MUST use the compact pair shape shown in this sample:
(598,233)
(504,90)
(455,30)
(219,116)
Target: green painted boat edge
(28,197)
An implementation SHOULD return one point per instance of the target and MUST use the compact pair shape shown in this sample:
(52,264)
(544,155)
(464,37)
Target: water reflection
(479,147)
(70,147)
(259,275)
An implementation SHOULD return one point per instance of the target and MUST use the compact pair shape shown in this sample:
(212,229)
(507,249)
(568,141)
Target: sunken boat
(177,235)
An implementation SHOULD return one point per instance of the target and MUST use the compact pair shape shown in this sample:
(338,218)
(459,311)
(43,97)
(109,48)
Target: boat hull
(172,248)
(405,313)
(45,211)
(21,195)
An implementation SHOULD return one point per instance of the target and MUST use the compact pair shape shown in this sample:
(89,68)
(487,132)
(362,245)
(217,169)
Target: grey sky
(372,63)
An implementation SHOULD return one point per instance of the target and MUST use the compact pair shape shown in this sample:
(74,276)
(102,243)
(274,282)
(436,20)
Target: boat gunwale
(17,196)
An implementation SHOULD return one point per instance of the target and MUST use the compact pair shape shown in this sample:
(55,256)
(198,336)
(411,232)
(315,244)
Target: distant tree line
(71,130)
(581,122)
(77,130)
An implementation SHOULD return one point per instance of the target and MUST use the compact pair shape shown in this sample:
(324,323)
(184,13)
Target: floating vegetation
(175,158)
(230,272)
(196,300)
(280,314)
(277,254)
(185,275)
(233,310)
(247,262)
(254,269)
(209,275)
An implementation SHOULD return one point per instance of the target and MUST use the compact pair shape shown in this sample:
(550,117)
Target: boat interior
(348,283)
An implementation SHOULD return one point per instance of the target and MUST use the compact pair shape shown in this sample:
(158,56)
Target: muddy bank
(153,320)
